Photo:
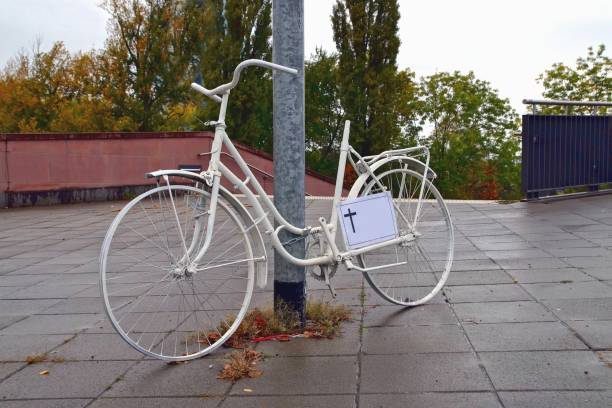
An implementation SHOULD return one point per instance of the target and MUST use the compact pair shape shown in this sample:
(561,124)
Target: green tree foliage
(589,80)
(472,142)
(150,50)
(233,31)
(324,113)
(374,95)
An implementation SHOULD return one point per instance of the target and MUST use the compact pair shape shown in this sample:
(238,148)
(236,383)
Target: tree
(324,113)
(150,50)
(589,80)
(233,31)
(472,142)
(374,95)
(55,91)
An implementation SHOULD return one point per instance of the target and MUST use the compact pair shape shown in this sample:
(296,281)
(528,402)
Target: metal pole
(288,50)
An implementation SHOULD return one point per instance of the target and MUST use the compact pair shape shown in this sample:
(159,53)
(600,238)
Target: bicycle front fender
(259,249)
(411,162)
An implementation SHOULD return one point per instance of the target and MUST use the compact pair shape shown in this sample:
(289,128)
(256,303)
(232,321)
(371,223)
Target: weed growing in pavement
(323,320)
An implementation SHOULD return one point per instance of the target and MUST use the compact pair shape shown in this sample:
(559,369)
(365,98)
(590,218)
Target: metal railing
(565,151)
(558,102)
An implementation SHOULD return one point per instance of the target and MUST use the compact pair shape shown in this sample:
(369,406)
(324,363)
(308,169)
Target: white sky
(507,43)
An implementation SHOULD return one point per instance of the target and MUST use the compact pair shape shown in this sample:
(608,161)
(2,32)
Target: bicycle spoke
(172,303)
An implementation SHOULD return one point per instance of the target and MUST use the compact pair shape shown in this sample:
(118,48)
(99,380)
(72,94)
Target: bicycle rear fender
(258,248)
(411,162)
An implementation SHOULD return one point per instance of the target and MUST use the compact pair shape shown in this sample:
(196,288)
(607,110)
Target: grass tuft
(43,357)
(241,364)
(323,320)
(36,358)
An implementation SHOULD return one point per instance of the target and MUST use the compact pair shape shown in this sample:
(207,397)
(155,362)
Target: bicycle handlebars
(221,89)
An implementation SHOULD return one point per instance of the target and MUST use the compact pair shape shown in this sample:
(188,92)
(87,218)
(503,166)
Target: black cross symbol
(350,215)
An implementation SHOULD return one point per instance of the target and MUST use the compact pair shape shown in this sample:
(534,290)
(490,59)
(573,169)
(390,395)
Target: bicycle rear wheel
(425,263)
(158,298)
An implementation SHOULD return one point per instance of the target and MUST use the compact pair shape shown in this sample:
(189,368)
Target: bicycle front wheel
(159,298)
(415,271)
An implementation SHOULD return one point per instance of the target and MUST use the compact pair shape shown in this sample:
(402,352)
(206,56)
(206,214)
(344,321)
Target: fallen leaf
(45,372)
(177,362)
(247,390)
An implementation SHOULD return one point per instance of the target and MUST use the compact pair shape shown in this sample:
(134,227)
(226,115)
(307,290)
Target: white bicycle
(179,262)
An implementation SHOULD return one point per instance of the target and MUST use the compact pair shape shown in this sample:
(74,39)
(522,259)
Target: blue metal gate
(562,151)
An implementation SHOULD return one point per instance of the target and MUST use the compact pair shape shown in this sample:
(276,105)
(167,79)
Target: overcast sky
(507,43)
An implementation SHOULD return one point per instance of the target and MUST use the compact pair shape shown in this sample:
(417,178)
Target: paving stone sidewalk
(524,321)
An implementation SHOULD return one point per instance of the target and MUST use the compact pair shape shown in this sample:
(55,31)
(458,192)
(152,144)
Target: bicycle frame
(331,253)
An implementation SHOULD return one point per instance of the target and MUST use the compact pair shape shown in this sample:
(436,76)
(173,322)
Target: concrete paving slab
(478,278)
(19,347)
(512,337)
(293,401)
(20,280)
(75,279)
(502,312)
(40,255)
(421,373)
(547,370)
(474,265)
(566,243)
(12,264)
(42,270)
(42,291)
(64,380)
(565,275)
(7,291)
(6,321)
(502,246)
(53,324)
(428,314)
(485,293)
(76,260)
(431,399)
(506,238)
(46,403)
(579,252)
(588,261)
(531,263)
(581,309)
(157,379)
(6,369)
(518,254)
(420,339)
(599,273)
(200,402)
(556,399)
(572,290)
(303,375)
(98,347)
(535,237)
(597,334)
(79,305)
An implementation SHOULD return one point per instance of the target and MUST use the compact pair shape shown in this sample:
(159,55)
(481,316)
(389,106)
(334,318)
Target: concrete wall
(51,168)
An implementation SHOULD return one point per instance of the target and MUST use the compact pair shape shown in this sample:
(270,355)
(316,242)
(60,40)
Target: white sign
(367,220)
